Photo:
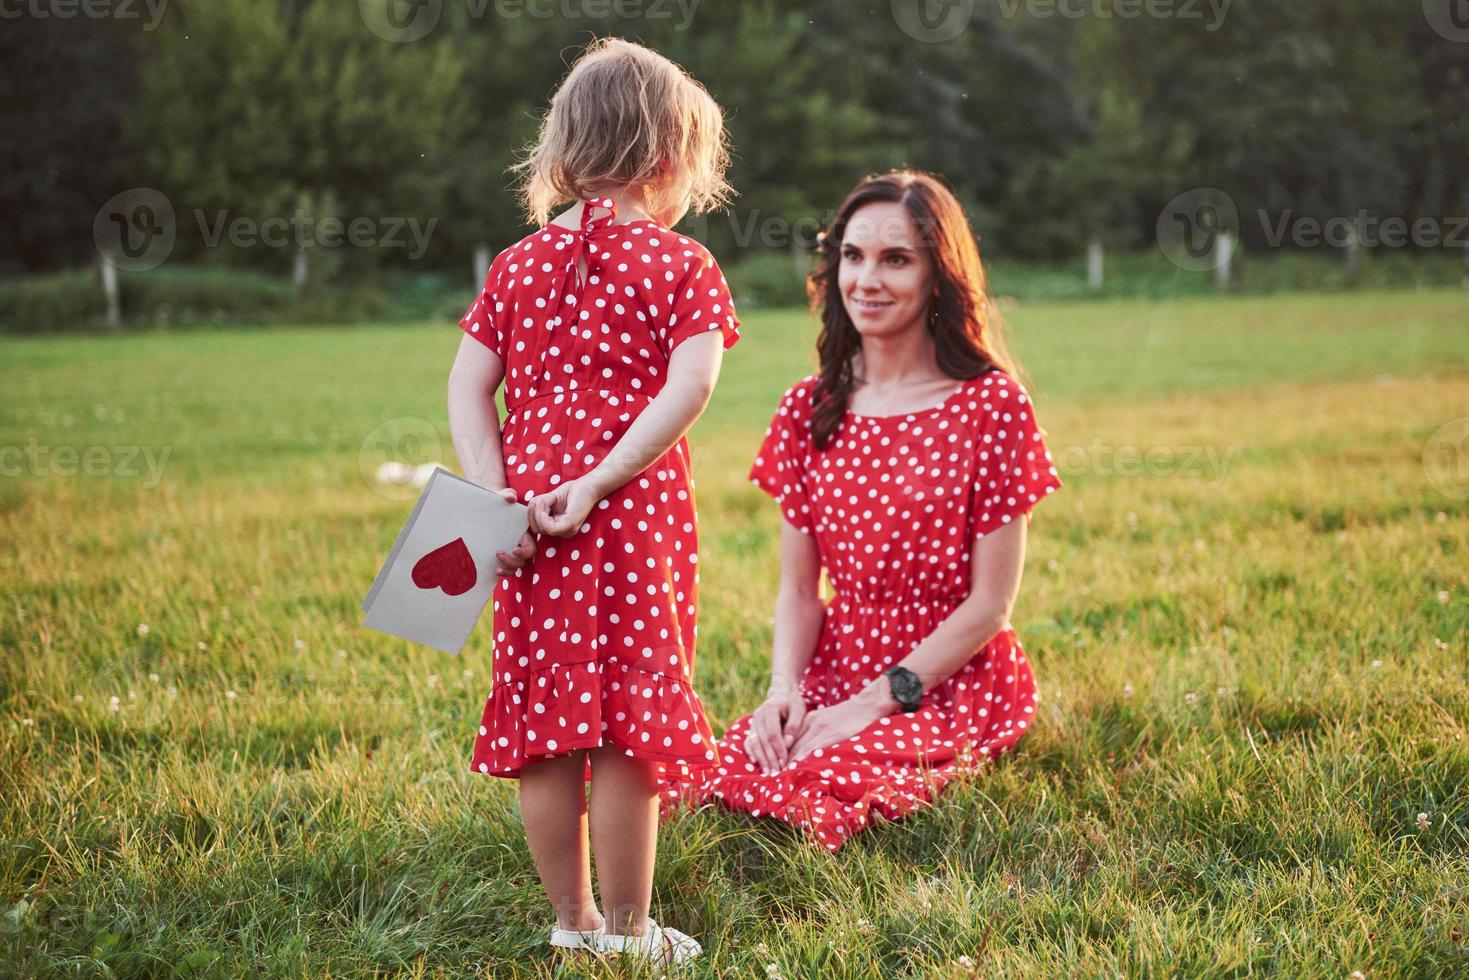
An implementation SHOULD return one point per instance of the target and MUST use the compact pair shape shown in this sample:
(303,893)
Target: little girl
(607,329)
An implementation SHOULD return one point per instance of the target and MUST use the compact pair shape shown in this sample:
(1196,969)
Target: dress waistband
(551,392)
(888,602)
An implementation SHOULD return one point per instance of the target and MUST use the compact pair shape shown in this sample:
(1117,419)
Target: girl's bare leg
(624,816)
(553,807)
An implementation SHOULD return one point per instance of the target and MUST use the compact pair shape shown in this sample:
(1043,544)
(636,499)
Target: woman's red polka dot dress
(894,503)
(594,638)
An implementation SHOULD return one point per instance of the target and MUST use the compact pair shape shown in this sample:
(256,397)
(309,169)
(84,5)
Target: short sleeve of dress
(782,466)
(701,302)
(480,321)
(1015,470)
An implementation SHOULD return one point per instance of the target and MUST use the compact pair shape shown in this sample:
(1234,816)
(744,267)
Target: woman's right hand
(774,726)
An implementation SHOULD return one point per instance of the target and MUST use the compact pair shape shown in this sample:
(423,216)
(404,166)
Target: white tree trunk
(1094,266)
(481,264)
(109,289)
(1223,259)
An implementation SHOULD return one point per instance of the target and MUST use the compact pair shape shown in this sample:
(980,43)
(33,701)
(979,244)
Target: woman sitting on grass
(900,468)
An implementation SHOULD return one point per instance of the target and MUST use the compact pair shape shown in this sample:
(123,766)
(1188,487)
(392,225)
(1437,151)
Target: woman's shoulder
(798,398)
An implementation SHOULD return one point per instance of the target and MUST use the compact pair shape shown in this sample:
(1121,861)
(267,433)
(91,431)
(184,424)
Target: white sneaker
(573,939)
(664,947)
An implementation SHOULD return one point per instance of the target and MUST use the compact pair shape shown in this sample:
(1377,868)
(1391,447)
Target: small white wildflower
(1443,598)
(1356,975)
(203,645)
(1377,663)
(230,695)
(433,680)
(966,962)
(114,703)
(341,654)
(77,698)
(300,644)
(1424,822)
(762,949)
(143,629)
(1191,697)
(772,970)
(27,722)
(468,672)
(153,678)
(1127,690)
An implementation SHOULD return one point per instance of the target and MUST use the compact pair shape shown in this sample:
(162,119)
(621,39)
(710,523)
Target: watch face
(906,686)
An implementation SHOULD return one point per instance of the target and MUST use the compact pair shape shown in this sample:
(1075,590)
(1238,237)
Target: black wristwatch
(906,687)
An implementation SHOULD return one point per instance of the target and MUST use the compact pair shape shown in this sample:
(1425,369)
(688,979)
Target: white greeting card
(440,574)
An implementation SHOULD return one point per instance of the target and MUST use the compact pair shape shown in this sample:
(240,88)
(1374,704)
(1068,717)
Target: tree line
(1058,122)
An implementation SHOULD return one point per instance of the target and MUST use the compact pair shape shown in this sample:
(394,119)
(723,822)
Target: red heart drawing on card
(448,567)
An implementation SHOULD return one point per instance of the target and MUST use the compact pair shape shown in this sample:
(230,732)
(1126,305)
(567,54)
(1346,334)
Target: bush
(60,301)
(765,279)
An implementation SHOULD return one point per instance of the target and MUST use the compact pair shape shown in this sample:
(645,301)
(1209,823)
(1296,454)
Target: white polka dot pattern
(594,640)
(894,504)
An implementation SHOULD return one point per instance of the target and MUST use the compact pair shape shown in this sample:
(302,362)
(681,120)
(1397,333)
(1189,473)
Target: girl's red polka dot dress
(594,639)
(893,503)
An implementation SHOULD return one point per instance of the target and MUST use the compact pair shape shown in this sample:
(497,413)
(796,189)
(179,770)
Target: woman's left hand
(828,726)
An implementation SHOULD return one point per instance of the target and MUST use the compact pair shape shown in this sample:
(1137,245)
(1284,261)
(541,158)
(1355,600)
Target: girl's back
(582,358)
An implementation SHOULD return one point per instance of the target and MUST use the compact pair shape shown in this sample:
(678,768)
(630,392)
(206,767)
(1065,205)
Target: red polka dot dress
(893,503)
(594,638)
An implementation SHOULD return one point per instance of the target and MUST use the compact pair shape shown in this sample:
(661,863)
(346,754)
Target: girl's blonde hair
(627,116)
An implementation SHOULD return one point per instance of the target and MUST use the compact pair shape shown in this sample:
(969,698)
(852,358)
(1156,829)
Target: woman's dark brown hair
(966,327)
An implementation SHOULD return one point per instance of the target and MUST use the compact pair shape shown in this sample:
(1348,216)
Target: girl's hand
(773,728)
(508,563)
(828,726)
(561,512)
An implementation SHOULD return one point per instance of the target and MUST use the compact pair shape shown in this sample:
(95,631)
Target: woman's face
(885,278)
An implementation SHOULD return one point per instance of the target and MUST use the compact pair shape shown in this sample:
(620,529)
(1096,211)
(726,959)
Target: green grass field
(1247,610)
